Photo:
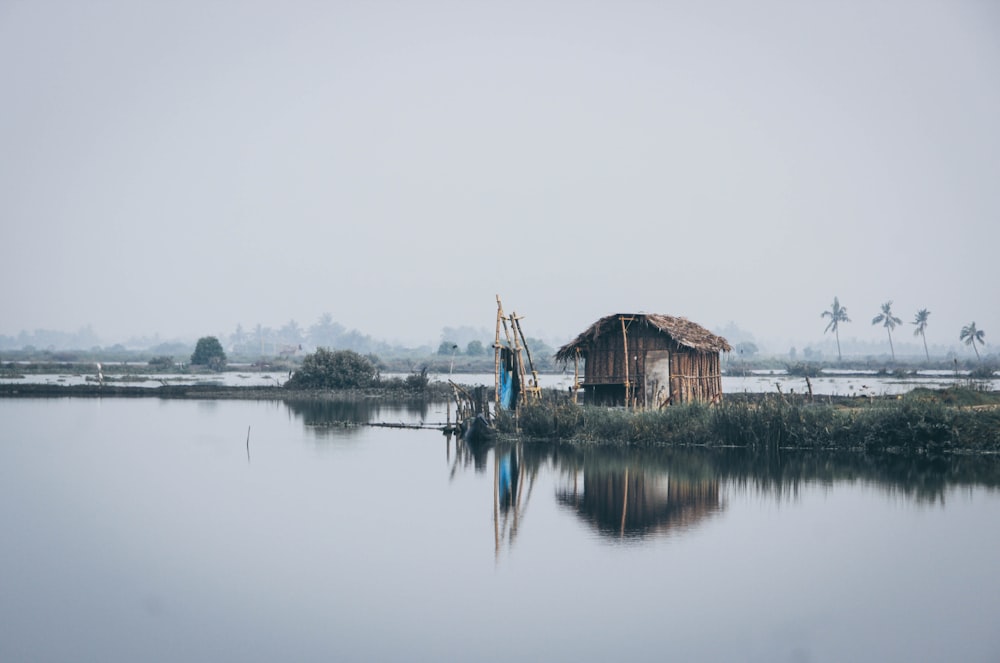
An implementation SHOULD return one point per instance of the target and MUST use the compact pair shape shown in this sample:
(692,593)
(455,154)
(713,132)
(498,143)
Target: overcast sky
(177,168)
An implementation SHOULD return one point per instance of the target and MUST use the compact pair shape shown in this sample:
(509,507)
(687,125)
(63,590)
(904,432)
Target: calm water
(144,530)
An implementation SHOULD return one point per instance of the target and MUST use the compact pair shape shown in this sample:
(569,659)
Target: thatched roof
(681,330)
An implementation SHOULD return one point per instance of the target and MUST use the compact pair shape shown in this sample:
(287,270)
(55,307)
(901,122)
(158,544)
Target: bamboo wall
(694,375)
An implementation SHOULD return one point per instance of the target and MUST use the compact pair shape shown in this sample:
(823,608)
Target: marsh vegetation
(923,421)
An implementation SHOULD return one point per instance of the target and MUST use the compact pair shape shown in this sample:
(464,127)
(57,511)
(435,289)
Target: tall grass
(912,424)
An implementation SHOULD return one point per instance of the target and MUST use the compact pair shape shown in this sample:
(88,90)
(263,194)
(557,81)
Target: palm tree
(920,320)
(837,314)
(889,321)
(971,336)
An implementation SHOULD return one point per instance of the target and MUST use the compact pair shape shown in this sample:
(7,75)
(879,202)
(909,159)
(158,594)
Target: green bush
(341,369)
(209,352)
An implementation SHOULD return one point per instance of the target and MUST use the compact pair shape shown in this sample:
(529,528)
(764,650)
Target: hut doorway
(657,378)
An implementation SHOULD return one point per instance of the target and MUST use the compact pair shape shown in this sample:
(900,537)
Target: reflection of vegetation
(349,413)
(696,470)
(922,422)
(636,492)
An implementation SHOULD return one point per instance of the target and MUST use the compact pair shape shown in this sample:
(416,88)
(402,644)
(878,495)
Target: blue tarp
(506,387)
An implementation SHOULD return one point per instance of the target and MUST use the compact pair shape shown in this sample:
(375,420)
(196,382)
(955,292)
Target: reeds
(914,424)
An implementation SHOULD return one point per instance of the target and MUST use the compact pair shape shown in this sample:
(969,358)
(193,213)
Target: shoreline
(927,422)
(210,391)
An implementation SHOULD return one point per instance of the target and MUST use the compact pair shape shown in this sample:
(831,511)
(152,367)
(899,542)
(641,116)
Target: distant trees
(291,334)
(208,352)
(970,335)
(325,332)
(475,348)
(889,321)
(920,320)
(837,314)
(447,348)
(340,369)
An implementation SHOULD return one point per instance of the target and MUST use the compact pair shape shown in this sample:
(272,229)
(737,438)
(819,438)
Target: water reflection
(344,417)
(638,493)
(631,493)
(634,502)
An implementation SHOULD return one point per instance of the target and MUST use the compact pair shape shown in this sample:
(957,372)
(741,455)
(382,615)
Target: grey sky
(181,167)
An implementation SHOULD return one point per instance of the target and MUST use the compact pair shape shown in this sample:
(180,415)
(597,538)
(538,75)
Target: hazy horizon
(182,168)
(907,345)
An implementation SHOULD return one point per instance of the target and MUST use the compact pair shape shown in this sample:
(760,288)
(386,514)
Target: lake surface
(151,530)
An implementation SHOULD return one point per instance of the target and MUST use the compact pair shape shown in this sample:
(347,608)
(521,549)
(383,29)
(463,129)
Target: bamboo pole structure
(518,358)
(534,389)
(496,353)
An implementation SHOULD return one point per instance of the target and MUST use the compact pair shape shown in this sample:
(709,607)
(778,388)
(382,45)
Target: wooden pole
(496,360)
(535,389)
(576,374)
(625,360)
(519,358)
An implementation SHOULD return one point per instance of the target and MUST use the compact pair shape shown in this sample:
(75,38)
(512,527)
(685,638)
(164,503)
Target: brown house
(647,360)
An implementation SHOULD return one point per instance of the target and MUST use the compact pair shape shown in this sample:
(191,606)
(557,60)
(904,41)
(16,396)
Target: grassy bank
(923,421)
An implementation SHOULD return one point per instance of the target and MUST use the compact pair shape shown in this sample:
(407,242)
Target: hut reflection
(637,502)
(643,493)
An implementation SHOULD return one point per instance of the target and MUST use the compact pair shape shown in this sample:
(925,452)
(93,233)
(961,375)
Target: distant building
(647,360)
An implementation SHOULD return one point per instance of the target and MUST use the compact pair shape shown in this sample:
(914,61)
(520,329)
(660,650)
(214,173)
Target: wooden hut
(647,360)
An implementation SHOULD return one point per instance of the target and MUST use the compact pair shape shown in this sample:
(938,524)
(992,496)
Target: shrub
(341,369)
(161,362)
(803,370)
(984,372)
(417,381)
(209,352)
